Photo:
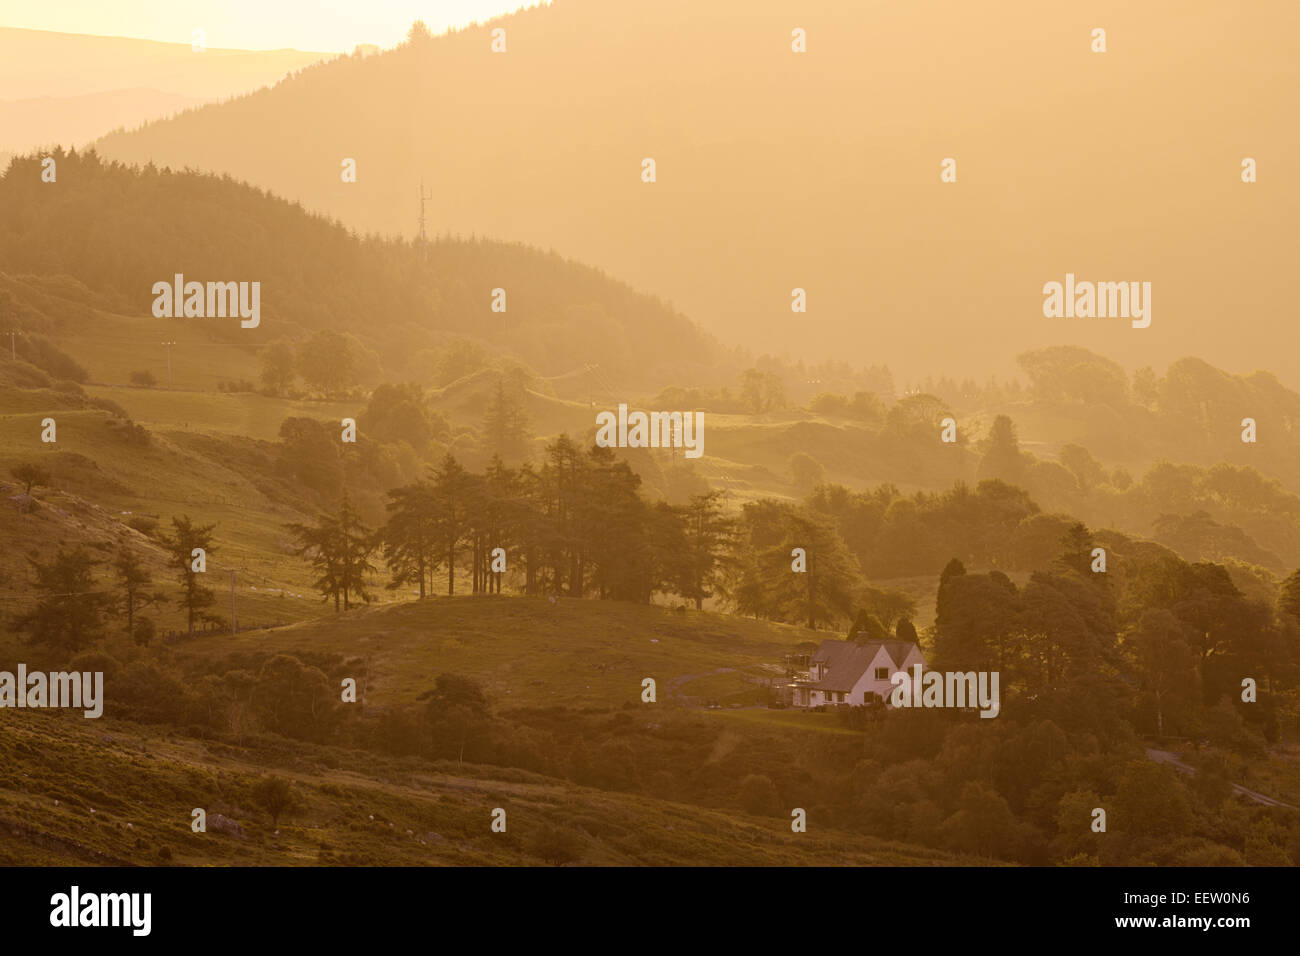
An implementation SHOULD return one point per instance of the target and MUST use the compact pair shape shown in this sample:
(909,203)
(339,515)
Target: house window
(882,673)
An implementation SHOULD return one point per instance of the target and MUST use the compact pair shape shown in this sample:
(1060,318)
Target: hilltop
(778,170)
(62,244)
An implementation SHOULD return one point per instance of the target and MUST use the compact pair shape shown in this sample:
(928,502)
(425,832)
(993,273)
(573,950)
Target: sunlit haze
(326,26)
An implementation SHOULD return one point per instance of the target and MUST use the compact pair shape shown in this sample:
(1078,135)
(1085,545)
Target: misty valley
(422,559)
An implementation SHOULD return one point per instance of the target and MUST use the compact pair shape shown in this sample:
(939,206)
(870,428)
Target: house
(842,672)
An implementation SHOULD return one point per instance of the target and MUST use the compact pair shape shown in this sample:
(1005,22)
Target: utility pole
(234,630)
(169,363)
(13,348)
(423,197)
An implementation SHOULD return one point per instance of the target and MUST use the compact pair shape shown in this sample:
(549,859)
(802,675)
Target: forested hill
(119,229)
(821,170)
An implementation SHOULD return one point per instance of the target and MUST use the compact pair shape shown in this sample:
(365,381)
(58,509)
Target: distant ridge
(315,274)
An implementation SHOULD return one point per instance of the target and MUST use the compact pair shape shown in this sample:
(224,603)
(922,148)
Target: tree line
(575,525)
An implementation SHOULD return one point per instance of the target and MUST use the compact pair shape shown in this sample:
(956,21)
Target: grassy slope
(527,652)
(142,786)
(746,455)
(102,482)
(531,652)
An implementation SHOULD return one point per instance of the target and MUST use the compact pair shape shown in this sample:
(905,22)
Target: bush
(274,795)
(110,406)
(555,846)
(95,661)
(129,432)
(30,475)
(42,353)
(144,630)
(758,795)
(148,693)
(807,471)
(146,526)
(144,378)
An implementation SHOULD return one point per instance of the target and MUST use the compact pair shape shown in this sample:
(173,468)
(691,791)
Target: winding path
(1166,756)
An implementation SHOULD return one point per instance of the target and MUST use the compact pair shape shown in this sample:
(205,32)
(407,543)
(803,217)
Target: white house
(842,672)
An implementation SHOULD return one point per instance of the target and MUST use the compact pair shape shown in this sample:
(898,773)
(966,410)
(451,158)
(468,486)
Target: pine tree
(339,547)
(133,578)
(70,611)
(410,536)
(505,424)
(765,585)
(1002,457)
(452,509)
(498,519)
(185,539)
(710,535)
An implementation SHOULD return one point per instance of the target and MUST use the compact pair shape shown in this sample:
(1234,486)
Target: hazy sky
(319,25)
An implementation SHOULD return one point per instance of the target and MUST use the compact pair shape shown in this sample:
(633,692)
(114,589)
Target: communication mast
(423,239)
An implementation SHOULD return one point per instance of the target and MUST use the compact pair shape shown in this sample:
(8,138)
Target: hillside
(588,773)
(403,299)
(778,170)
(77,120)
(533,652)
(121,794)
(128,793)
(106,482)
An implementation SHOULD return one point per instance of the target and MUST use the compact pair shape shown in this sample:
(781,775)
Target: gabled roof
(846,661)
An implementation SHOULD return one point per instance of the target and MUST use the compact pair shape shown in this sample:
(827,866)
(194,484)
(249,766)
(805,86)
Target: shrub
(144,630)
(274,795)
(146,526)
(30,474)
(554,845)
(758,795)
(110,406)
(42,353)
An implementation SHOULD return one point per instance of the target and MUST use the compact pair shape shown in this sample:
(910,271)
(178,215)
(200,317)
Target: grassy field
(531,652)
(246,414)
(113,346)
